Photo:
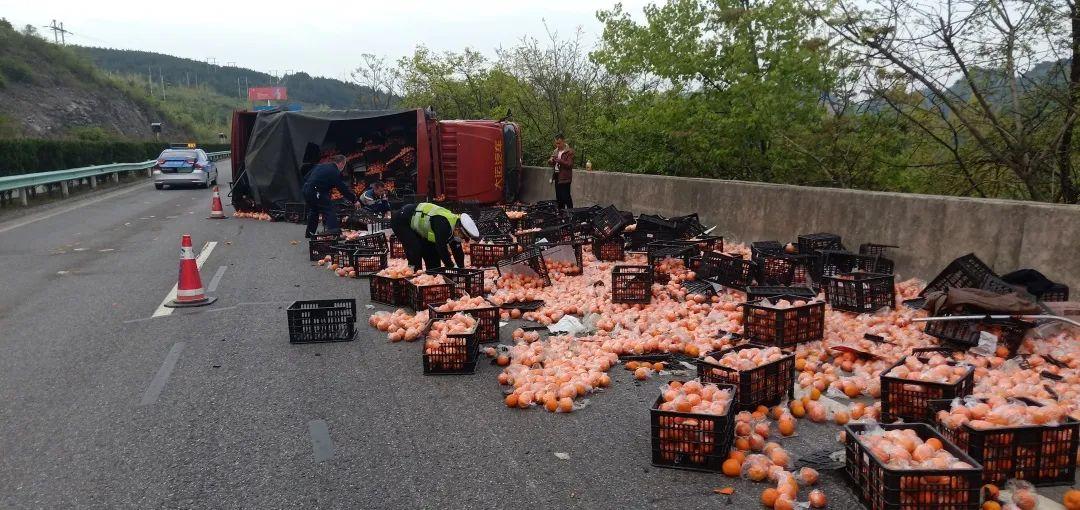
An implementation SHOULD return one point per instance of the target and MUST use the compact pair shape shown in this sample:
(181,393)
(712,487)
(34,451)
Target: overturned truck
(417,156)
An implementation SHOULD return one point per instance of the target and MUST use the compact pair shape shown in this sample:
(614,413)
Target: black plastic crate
(487,321)
(688,226)
(964,272)
(631,284)
(759,249)
(324,320)
(562,233)
(489,254)
(388,291)
(909,400)
(767,385)
(875,249)
(543,219)
(609,249)
(320,248)
(420,297)
(966,333)
(786,269)
(638,239)
(729,270)
(376,242)
(834,262)
(657,252)
(526,262)
(494,221)
(813,243)
(709,243)
(294,212)
(699,287)
(656,223)
(567,255)
(363,261)
(1056,292)
(757,292)
(784,328)
(699,442)
(456,355)
(583,214)
(466,280)
(882,488)
(608,222)
(397,250)
(1040,454)
(860,292)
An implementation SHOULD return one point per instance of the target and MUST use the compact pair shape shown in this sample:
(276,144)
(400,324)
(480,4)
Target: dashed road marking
(158,382)
(321,444)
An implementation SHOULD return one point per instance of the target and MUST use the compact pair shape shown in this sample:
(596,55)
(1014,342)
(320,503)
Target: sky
(323,38)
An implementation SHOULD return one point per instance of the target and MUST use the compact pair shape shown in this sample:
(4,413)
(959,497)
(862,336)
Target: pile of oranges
(444,346)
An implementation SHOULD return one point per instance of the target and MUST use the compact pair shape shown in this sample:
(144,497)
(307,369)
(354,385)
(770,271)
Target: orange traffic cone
(216,213)
(189,289)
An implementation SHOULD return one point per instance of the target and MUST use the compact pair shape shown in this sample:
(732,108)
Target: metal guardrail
(13,182)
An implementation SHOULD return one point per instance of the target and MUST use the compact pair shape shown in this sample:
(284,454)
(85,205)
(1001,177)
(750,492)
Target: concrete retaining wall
(931,230)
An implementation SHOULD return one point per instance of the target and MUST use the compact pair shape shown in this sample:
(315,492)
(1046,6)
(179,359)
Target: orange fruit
(741,443)
(1071,501)
(631,365)
(797,409)
(737,455)
(990,491)
(512,400)
(658,366)
(776,412)
(935,443)
(691,350)
(991,505)
(502,360)
(787,427)
(768,497)
(732,468)
(566,404)
(815,394)
(551,403)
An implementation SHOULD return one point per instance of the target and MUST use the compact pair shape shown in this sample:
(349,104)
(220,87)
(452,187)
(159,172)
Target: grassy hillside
(226,80)
(49,91)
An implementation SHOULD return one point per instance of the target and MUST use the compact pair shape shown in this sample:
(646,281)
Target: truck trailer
(418,156)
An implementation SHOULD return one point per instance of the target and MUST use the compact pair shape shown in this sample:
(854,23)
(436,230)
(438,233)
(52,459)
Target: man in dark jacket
(316,191)
(562,161)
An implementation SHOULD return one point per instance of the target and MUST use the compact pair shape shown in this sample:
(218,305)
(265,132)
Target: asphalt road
(102,405)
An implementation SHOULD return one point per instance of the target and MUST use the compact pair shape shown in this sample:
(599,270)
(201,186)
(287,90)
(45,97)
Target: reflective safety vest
(421,219)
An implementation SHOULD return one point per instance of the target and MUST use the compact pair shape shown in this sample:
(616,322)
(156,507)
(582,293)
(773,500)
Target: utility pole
(162,76)
(58,32)
(150,80)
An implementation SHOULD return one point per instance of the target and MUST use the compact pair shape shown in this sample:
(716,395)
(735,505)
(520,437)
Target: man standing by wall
(562,162)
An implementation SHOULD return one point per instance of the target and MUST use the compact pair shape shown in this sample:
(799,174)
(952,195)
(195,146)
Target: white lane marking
(216,279)
(58,212)
(153,391)
(163,310)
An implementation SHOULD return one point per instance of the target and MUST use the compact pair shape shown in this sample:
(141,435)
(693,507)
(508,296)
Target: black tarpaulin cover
(280,141)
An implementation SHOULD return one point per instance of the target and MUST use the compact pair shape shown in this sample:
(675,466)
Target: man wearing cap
(374,199)
(316,192)
(426,231)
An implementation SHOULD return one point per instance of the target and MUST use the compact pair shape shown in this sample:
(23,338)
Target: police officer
(317,195)
(426,231)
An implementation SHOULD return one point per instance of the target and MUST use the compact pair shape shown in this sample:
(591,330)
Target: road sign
(267,94)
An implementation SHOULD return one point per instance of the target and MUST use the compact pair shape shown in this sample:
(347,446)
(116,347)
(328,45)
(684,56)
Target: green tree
(743,70)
